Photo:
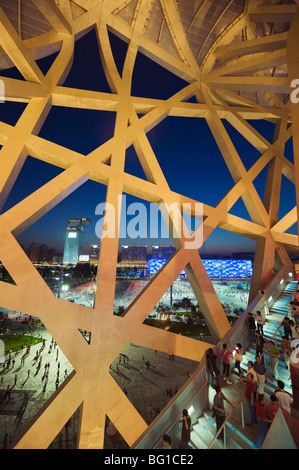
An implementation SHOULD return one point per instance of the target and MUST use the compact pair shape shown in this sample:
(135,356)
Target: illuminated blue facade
(216,268)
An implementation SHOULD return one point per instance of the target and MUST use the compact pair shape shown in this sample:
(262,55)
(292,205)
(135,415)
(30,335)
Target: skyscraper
(74,238)
(94,253)
(34,252)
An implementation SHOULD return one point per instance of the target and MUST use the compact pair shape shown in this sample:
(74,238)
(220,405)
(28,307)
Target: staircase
(237,437)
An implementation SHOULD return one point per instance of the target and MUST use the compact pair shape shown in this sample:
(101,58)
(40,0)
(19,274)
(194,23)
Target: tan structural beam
(53,15)
(220,95)
(293,70)
(261,84)
(255,64)
(178,35)
(235,165)
(273,14)
(252,46)
(17,51)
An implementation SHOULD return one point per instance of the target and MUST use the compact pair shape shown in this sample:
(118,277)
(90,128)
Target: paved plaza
(149,379)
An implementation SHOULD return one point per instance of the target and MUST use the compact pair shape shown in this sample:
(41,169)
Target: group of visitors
(254,377)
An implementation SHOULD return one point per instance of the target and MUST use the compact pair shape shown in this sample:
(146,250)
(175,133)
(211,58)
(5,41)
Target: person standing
(266,308)
(296,297)
(253,373)
(249,395)
(274,356)
(295,311)
(294,330)
(273,407)
(238,357)
(260,321)
(166,442)
(260,345)
(212,368)
(287,327)
(262,420)
(226,355)
(251,326)
(186,429)
(218,406)
(283,397)
(285,346)
(260,371)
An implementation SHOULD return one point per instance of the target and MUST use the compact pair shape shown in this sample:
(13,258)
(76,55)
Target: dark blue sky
(185,149)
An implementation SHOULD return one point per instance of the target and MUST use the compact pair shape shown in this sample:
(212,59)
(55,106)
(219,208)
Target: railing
(275,332)
(152,436)
(190,403)
(222,427)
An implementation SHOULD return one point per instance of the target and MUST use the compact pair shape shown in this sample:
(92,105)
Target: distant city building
(134,254)
(95,253)
(74,238)
(84,258)
(57,259)
(52,254)
(44,253)
(243,255)
(33,252)
(162,251)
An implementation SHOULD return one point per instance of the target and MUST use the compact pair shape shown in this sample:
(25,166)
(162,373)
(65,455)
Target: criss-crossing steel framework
(236,80)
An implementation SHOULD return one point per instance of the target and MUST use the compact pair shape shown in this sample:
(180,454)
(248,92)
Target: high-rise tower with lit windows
(74,238)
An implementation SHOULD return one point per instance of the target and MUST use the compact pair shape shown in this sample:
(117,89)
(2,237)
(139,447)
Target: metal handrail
(274,334)
(178,420)
(280,326)
(225,421)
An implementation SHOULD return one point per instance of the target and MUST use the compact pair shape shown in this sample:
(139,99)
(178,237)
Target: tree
(5,322)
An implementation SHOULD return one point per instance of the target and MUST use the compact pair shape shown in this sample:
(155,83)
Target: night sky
(185,149)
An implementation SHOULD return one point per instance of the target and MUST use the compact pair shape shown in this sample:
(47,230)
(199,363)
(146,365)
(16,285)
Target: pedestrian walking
(219,411)
(226,355)
(287,327)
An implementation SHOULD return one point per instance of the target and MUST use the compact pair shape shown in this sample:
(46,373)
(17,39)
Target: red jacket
(249,388)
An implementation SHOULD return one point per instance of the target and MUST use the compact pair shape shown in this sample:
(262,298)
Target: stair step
(202,435)
(235,439)
(204,430)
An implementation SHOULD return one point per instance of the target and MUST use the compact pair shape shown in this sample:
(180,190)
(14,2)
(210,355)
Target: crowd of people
(254,374)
